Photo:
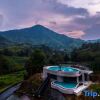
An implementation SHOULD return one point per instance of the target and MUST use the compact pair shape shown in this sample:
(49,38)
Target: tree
(4,65)
(74,55)
(35,62)
(56,59)
(8,52)
(96,64)
(66,58)
(88,53)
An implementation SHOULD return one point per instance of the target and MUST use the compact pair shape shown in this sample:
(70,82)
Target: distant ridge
(40,35)
(94,41)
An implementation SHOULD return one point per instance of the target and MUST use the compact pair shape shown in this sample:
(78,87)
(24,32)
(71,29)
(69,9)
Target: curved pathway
(8,92)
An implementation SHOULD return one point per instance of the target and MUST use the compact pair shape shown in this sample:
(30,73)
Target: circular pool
(63,68)
(61,71)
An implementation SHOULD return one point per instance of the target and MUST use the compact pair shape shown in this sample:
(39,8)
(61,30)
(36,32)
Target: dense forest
(21,57)
(34,58)
(88,53)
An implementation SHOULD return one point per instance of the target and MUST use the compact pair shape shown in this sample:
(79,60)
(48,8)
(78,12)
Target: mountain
(94,41)
(4,41)
(40,35)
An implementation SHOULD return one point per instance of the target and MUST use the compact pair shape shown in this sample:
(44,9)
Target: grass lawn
(10,79)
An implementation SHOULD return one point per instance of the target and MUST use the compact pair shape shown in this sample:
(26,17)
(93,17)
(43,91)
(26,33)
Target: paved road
(9,92)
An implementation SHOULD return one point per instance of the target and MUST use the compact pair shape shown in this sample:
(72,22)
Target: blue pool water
(65,69)
(66,85)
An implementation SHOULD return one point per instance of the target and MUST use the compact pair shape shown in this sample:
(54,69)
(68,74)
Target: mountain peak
(39,26)
(42,29)
(38,35)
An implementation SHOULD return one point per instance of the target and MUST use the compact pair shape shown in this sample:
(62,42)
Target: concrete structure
(66,79)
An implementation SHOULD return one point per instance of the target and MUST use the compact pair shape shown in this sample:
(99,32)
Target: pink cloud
(76,34)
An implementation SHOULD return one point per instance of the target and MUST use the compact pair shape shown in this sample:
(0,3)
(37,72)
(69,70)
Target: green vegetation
(89,54)
(16,58)
(10,79)
(17,50)
(10,64)
(95,87)
(40,58)
(36,62)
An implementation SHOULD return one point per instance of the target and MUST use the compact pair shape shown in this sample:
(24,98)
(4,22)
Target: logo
(91,93)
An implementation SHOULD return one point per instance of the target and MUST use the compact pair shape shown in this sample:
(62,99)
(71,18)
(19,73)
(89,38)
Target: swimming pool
(63,68)
(65,85)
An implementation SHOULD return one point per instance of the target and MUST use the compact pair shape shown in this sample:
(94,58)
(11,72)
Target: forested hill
(4,42)
(40,35)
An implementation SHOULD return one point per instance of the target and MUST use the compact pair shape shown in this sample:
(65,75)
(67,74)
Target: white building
(66,79)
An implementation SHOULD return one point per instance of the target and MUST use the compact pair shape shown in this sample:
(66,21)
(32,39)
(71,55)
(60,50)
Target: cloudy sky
(73,18)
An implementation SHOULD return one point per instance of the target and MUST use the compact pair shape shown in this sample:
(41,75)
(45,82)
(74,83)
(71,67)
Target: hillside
(4,42)
(40,35)
(88,53)
(94,41)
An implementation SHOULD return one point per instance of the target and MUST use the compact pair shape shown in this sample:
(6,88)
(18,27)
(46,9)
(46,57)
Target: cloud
(70,17)
(87,27)
(1,20)
(92,26)
(67,10)
(93,32)
(76,34)
(19,13)
(93,6)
